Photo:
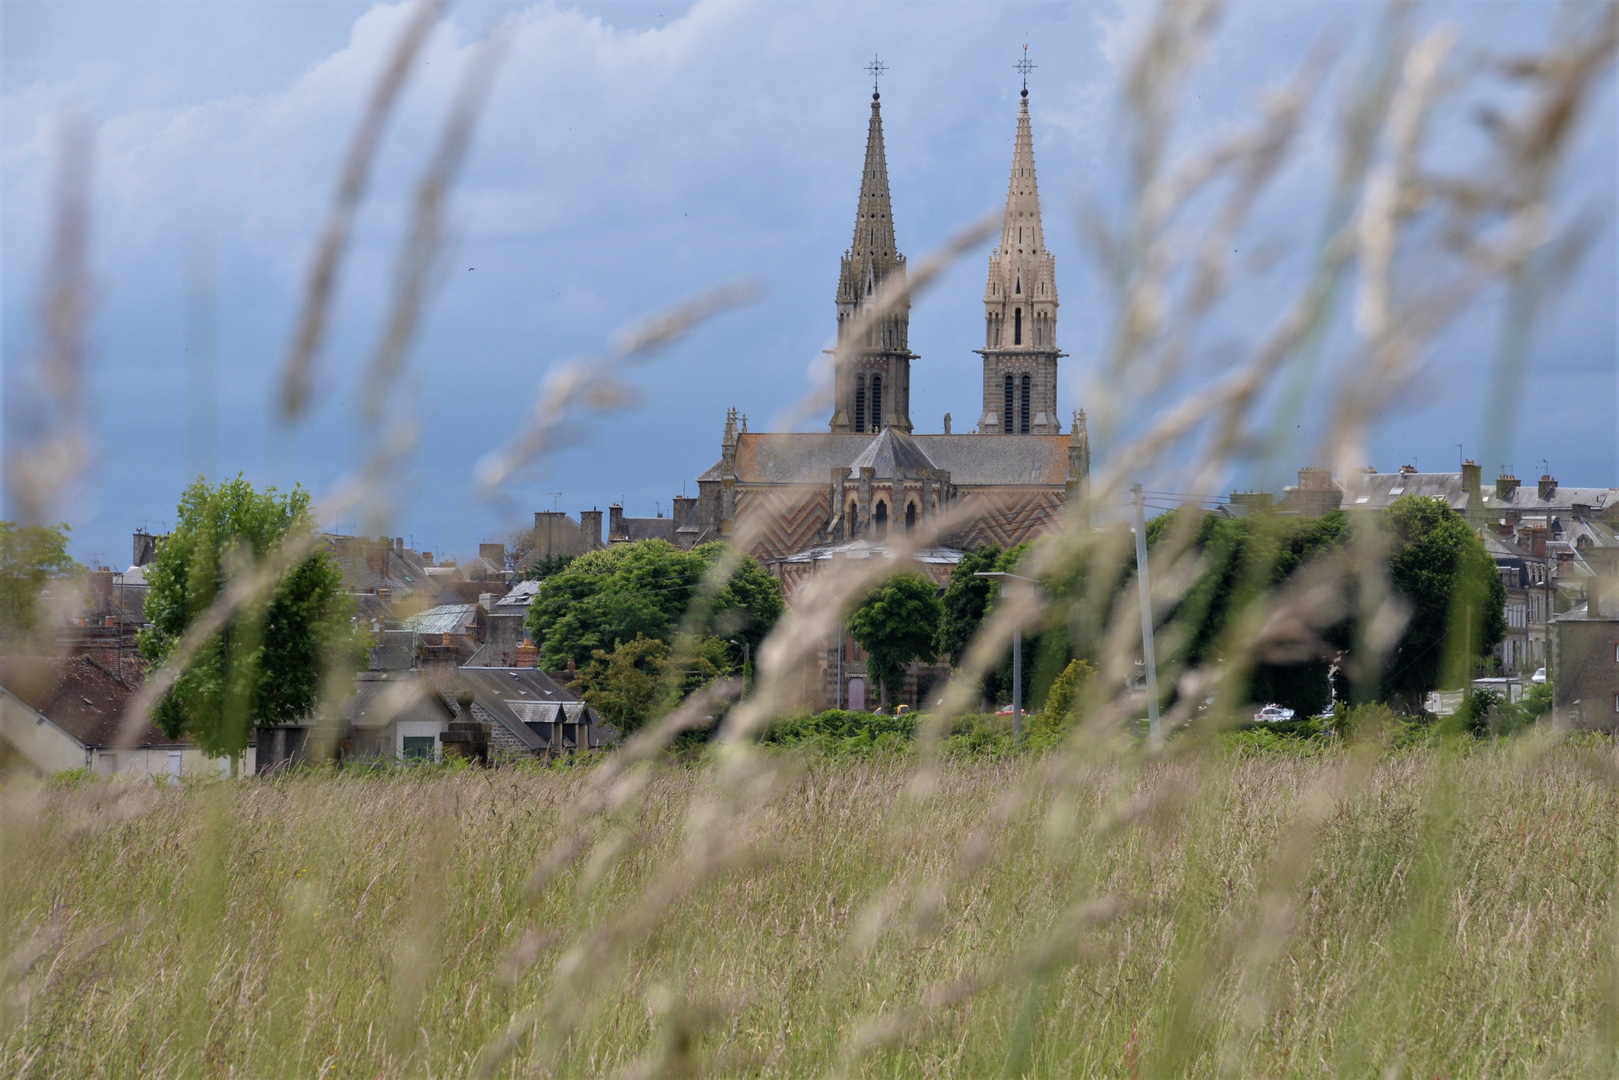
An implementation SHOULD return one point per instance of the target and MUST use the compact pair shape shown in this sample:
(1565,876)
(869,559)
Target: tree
(30,557)
(897,622)
(1063,703)
(1458,601)
(604,599)
(549,566)
(266,665)
(636,680)
(966,602)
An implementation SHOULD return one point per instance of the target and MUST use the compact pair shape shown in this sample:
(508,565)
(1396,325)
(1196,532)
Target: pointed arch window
(851,520)
(876,403)
(1006,409)
(910,517)
(860,403)
(1017,326)
(879,519)
(1023,425)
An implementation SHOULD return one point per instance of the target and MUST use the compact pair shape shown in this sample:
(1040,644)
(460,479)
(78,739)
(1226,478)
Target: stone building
(1585,650)
(784,493)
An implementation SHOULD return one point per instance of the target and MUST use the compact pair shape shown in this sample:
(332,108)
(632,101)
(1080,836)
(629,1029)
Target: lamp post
(1017,654)
(1144,589)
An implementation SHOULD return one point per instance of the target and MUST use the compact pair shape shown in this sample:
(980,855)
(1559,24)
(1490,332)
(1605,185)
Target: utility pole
(1144,587)
(1017,654)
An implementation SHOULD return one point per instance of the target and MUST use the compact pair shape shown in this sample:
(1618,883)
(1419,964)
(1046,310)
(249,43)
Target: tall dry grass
(1453,917)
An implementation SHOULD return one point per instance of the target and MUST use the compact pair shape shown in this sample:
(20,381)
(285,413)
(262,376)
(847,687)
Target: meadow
(1437,912)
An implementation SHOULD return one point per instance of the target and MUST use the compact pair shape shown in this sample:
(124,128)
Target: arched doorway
(880,520)
(910,516)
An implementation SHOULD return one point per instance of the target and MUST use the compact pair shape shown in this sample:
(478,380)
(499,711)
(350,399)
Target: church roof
(971,460)
(892,453)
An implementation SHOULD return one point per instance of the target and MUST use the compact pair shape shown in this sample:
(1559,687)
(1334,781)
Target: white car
(1273,714)
(1539,676)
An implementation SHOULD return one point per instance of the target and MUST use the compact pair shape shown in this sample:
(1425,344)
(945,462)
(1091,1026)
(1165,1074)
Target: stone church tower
(873,389)
(1020,309)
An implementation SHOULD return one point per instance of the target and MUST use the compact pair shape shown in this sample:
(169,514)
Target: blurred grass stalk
(1098,910)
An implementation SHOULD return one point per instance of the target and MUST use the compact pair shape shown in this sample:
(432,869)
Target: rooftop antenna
(877,69)
(556,500)
(1024,67)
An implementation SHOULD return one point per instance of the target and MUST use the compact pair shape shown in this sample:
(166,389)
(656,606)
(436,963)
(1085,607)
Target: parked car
(1273,714)
(1539,676)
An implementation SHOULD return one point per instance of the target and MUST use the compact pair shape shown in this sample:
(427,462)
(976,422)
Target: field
(1428,913)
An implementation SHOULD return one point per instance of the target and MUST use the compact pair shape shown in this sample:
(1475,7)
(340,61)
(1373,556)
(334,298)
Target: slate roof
(520,597)
(971,460)
(444,619)
(512,696)
(1378,491)
(81,696)
(892,454)
(382,697)
(640,528)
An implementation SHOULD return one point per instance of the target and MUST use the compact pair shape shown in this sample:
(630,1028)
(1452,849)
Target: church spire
(874,385)
(1020,304)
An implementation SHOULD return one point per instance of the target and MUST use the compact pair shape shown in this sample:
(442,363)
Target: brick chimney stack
(1506,486)
(615,523)
(1548,486)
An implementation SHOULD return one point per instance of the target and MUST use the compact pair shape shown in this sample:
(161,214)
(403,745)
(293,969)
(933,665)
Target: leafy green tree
(1458,601)
(266,665)
(637,681)
(31,556)
(966,601)
(897,622)
(1064,699)
(609,597)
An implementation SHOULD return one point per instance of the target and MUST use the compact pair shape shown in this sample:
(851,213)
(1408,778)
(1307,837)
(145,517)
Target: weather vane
(1025,67)
(877,68)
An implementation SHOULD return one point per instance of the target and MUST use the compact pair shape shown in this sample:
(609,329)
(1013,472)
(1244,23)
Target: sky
(629,156)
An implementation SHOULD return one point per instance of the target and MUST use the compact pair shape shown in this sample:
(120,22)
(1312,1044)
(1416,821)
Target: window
(1006,408)
(1017,326)
(880,519)
(1616,652)
(910,516)
(850,519)
(418,747)
(876,403)
(1616,703)
(860,403)
(176,762)
(1024,426)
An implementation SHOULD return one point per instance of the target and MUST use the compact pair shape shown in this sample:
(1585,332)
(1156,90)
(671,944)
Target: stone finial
(730,428)
(947,423)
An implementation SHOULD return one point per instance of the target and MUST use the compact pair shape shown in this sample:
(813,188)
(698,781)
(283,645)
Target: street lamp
(1017,655)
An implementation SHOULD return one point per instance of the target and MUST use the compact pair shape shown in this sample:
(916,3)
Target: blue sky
(630,155)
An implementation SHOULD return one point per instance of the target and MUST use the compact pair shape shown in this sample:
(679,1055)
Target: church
(1006,481)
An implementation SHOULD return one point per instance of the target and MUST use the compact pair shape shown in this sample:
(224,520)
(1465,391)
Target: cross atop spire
(878,69)
(1024,66)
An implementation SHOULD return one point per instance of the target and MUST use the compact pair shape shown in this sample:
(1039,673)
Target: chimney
(1315,479)
(495,553)
(590,523)
(145,548)
(1472,483)
(1506,486)
(683,508)
(101,589)
(427,558)
(399,545)
(1548,487)
(486,601)
(1600,596)
(615,523)
(1537,541)
(527,654)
